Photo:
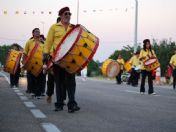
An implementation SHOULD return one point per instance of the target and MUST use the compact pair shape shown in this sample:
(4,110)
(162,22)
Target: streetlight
(136,26)
(77,11)
(42,22)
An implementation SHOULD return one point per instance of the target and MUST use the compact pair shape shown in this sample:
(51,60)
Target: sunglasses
(67,14)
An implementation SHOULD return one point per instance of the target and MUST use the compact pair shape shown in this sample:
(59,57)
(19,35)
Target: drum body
(151,64)
(127,66)
(12,61)
(76,49)
(110,68)
(34,62)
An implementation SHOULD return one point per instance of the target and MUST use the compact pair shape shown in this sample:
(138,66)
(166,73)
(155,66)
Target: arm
(49,41)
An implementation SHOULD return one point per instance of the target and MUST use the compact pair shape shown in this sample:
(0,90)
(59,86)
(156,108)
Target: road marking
(23,98)
(7,79)
(49,127)
(37,113)
(19,93)
(15,88)
(130,91)
(29,104)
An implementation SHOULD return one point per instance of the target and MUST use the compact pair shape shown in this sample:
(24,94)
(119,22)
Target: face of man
(65,17)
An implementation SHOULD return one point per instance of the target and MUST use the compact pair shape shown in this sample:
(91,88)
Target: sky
(111,21)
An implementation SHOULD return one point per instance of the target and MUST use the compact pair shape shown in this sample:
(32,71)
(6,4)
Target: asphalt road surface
(105,107)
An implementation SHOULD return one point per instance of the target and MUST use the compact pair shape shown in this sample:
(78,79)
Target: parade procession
(65,79)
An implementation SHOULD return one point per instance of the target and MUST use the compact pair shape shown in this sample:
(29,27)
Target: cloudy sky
(112,21)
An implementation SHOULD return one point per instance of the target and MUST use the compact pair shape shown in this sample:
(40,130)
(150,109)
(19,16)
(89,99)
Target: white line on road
(29,104)
(5,77)
(37,113)
(130,91)
(23,98)
(19,93)
(15,88)
(48,127)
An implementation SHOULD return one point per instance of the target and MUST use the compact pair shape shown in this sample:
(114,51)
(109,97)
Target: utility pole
(136,26)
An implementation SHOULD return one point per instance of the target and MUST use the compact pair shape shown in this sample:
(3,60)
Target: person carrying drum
(51,82)
(121,62)
(145,54)
(173,65)
(135,71)
(14,78)
(35,84)
(56,33)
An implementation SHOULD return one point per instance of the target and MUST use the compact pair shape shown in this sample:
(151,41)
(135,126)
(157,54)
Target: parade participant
(121,62)
(134,61)
(173,65)
(145,54)
(35,84)
(56,33)
(14,78)
(51,82)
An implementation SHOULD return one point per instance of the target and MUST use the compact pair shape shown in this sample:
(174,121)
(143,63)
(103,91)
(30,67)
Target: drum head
(67,43)
(150,61)
(113,69)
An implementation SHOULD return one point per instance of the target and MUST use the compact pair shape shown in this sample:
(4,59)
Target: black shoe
(71,110)
(58,108)
(76,108)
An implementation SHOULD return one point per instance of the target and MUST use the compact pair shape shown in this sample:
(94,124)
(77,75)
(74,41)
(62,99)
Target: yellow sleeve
(131,61)
(154,53)
(123,62)
(26,49)
(49,41)
(171,60)
(141,54)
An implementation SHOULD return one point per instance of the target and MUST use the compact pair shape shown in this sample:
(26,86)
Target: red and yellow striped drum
(151,64)
(34,62)
(110,68)
(76,49)
(12,61)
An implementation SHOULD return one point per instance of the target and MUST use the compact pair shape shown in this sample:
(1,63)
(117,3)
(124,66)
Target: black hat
(61,11)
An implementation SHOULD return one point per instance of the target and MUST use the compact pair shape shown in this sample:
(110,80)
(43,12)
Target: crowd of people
(64,82)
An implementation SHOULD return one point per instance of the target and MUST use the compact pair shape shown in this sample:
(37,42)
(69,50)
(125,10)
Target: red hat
(61,11)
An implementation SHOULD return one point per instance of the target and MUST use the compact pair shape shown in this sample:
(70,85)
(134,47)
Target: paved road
(105,107)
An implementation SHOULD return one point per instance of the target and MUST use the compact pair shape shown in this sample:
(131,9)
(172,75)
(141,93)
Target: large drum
(110,68)
(34,62)
(127,66)
(12,61)
(151,64)
(76,49)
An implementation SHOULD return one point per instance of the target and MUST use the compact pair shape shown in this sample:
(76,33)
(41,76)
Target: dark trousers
(64,81)
(50,85)
(36,85)
(150,81)
(118,77)
(14,79)
(174,77)
(134,77)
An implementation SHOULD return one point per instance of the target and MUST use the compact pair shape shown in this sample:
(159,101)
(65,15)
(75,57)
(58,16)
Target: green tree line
(163,49)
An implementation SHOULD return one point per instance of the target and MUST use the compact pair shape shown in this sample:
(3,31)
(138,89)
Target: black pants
(174,78)
(64,81)
(14,79)
(50,85)
(118,77)
(150,81)
(36,85)
(134,77)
